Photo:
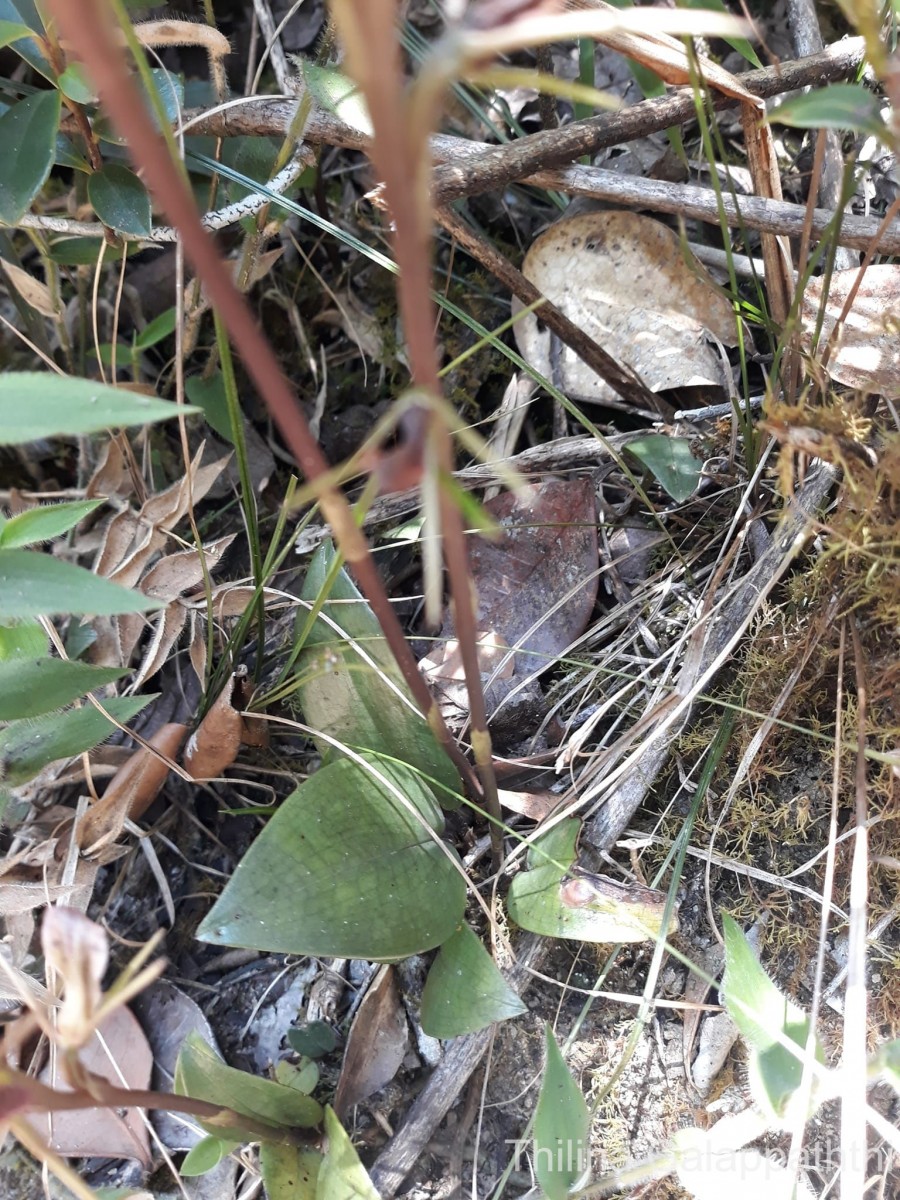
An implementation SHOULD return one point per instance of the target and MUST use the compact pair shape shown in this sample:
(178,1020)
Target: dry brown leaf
(624,280)
(178,573)
(534,805)
(31,290)
(169,626)
(132,789)
(197,648)
(867,351)
(215,743)
(112,477)
(377,1043)
(88,1132)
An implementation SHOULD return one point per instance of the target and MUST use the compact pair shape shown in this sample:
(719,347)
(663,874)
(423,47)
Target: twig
(626,382)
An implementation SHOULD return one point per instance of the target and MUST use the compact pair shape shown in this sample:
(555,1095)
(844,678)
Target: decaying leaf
(628,282)
(377,1045)
(217,739)
(132,789)
(866,353)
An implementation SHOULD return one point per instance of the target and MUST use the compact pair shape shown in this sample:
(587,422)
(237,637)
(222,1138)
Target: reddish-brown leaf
(218,737)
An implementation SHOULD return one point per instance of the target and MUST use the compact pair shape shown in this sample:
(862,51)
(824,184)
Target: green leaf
(209,397)
(337,94)
(74,84)
(26,747)
(200,1073)
(341,1175)
(315,1039)
(23,639)
(33,584)
(302,1078)
(28,137)
(160,327)
(30,687)
(344,870)
(120,200)
(670,461)
(363,704)
(838,106)
(760,1012)
(38,404)
(289,1172)
(83,251)
(207,1153)
(561,1128)
(44,522)
(465,990)
(11,31)
(618,913)
(741,45)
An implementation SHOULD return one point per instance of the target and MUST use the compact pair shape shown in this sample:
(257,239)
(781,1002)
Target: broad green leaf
(160,327)
(208,1153)
(344,870)
(120,200)
(38,404)
(45,522)
(289,1172)
(341,1175)
(761,1011)
(66,155)
(74,84)
(302,1078)
(314,1039)
(32,584)
(200,1073)
(465,990)
(26,747)
(23,639)
(838,106)
(30,687)
(208,395)
(28,137)
(365,704)
(24,13)
(670,461)
(612,913)
(171,91)
(338,94)
(11,31)
(562,1127)
(83,251)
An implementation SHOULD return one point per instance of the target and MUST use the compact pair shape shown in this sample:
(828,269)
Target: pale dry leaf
(32,290)
(376,1045)
(119,1053)
(132,789)
(197,648)
(76,949)
(215,743)
(169,626)
(176,574)
(867,351)
(112,476)
(624,279)
(534,805)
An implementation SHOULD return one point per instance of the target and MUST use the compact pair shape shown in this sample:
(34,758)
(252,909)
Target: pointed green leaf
(760,1012)
(200,1073)
(23,639)
(344,870)
(120,200)
(289,1172)
(83,251)
(44,522)
(209,396)
(33,584)
(352,688)
(541,898)
(26,747)
(11,31)
(838,106)
(465,990)
(157,329)
(28,137)
(207,1153)
(315,1039)
(670,461)
(342,1176)
(562,1127)
(30,687)
(75,85)
(36,404)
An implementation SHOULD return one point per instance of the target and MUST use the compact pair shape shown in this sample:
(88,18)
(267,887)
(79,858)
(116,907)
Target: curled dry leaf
(132,789)
(377,1045)
(629,284)
(866,353)
(217,739)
